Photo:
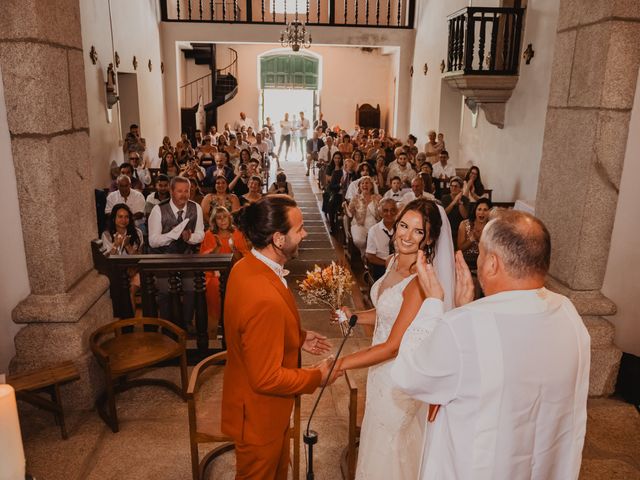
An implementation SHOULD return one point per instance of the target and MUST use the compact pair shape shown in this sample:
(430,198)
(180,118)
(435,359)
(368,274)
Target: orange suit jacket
(264,337)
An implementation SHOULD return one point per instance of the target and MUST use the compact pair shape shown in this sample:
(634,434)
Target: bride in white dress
(393,426)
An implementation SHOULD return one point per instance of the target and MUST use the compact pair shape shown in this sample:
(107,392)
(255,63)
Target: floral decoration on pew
(329,286)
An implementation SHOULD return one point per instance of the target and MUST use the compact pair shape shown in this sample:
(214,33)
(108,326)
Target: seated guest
(127,169)
(470,230)
(165,148)
(255,191)
(281,185)
(195,194)
(456,204)
(193,170)
(161,193)
(417,191)
(245,156)
(395,192)
(473,187)
(327,154)
(346,147)
(132,198)
(221,237)
(363,209)
(184,150)
(400,167)
(363,171)
(380,237)
(442,172)
(411,148)
(140,171)
(206,151)
(314,145)
(221,167)
(336,163)
(221,197)
(168,166)
(167,234)
(382,172)
(426,172)
(123,238)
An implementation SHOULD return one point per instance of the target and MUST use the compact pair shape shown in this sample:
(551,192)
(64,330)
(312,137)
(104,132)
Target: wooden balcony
(347,13)
(483,57)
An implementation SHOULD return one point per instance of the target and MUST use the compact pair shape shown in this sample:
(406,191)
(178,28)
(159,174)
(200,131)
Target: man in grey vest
(175,225)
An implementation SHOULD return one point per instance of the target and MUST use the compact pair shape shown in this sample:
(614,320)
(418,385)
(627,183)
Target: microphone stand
(310,437)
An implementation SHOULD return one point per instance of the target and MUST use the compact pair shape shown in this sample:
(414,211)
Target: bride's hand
(347,311)
(428,278)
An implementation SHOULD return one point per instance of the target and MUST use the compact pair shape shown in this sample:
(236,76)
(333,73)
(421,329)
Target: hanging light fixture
(295,35)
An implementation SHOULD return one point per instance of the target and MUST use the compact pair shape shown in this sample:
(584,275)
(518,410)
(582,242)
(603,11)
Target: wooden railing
(361,13)
(224,80)
(485,41)
(175,269)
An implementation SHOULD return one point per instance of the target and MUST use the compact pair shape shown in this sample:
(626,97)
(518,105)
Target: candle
(12,463)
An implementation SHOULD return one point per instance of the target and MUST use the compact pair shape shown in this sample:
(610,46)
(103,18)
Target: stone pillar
(43,73)
(593,82)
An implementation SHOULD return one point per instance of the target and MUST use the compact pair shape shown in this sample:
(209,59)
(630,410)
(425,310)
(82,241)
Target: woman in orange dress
(222,237)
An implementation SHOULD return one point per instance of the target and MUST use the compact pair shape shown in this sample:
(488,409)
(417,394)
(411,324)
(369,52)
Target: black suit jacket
(310,144)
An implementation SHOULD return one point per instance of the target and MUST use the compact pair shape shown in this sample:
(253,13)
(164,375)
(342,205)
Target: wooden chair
(130,345)
(204,402)
(46,379)
(348,459)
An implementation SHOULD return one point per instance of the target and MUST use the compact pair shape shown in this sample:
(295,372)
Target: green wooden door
(289,71)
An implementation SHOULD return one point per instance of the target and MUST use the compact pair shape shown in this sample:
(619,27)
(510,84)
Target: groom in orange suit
(264,338)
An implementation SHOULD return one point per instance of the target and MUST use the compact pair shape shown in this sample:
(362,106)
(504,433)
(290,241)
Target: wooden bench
(47,379)
(356,414)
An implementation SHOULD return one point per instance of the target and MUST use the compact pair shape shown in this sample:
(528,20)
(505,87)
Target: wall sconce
(442,66)
(425,69)
(135,63)
(117,59)
(93,55)
(411,71)
(161,67)
(528,54)
(149,65)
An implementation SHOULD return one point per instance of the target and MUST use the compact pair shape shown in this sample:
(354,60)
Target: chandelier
(295,35)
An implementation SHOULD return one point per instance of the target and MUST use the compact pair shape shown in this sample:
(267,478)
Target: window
(291,6)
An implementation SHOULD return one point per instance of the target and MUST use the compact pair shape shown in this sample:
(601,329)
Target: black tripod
(310,437)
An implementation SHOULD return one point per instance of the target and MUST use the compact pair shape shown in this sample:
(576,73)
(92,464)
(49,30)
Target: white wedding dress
(392,433)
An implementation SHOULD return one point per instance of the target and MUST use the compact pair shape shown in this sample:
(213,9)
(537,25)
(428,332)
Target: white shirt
(304,127)
(405,173)
(285,127)
(378,240)
(278,269)
(352,189)
(135,201)
(159,239)
(511,373)
(410,197)
(152,201)
(397,196)
(325,154)
(448,171)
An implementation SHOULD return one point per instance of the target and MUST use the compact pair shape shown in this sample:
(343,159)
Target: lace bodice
(387,305)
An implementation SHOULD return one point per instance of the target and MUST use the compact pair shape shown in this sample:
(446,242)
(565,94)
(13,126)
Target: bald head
(521,241)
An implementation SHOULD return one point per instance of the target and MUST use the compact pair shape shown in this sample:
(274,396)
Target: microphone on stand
(310,437)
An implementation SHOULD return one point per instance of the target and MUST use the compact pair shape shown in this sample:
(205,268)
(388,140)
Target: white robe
(511,372)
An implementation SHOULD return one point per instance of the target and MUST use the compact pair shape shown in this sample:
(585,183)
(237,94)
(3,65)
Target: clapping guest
(127,169)
(363,209)
(470,231)
(123,238)
(456,204)
(221,167)
(221,197)
(221,237)
(417,191)
(473,187)
(255,191)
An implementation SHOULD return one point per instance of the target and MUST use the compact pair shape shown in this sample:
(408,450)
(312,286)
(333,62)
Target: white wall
(14,280)
(509,158)
(135,32)
(622,278)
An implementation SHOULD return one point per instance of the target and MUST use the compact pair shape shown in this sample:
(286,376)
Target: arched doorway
(289,83)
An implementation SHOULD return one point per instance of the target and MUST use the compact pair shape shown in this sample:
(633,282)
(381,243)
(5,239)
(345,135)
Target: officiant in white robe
(510,371)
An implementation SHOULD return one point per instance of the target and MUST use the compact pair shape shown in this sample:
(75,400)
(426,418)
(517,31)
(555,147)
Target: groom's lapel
(273,279)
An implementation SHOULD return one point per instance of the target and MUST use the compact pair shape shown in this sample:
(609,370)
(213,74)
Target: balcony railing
(350,13)
(485,41)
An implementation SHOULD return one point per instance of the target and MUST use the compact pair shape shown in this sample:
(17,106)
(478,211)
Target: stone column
(43,73)
(593,81)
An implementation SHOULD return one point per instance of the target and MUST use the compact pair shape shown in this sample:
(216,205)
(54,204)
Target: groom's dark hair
(521,240)
(259,221)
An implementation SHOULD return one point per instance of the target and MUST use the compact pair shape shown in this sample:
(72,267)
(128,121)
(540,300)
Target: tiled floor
(153,442)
